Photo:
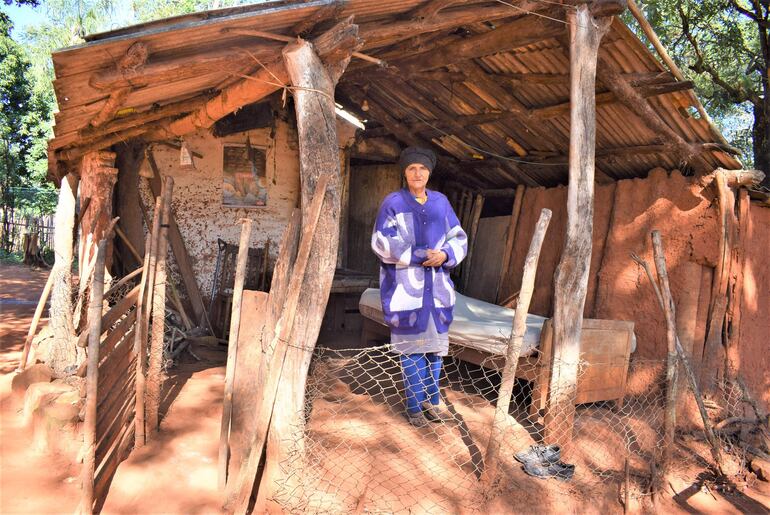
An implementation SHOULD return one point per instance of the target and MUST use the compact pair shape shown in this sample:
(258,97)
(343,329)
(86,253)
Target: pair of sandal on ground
(435,413)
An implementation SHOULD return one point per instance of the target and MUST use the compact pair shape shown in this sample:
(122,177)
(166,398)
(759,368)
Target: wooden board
(368,187)
(253,312)
(487,258)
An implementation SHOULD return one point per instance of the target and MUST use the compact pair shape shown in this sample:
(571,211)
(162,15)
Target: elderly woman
(419,240)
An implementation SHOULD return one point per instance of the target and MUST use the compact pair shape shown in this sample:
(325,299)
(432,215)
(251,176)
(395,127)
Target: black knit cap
(411,155)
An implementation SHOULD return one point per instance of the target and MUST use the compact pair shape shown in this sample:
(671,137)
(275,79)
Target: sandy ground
(176,472)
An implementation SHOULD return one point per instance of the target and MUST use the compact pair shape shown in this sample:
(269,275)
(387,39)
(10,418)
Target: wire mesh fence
(358,453)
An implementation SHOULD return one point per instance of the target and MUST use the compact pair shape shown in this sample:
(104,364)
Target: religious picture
(244,176)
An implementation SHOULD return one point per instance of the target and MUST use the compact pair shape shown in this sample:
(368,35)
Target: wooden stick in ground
(155,363)
(143,308)
(232,347)
(707,426)
(627,482)
(35,321)
(238,499)
(92,379)
(513,350)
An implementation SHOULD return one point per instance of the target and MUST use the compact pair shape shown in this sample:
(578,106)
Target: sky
(24,15)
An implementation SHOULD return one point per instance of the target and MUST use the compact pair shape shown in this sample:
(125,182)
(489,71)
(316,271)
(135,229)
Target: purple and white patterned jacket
(404,230)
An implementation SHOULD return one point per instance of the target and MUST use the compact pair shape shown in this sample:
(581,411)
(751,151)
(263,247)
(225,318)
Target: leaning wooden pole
(92,380)
(571,280)
(232,347)
(155,363)
(672,371)
(514,347)
(35,321)
(510,239)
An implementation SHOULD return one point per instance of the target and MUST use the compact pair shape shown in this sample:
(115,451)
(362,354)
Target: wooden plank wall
(116,392)
(368,187)
(488,251)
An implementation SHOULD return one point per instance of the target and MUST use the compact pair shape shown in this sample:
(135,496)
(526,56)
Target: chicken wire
(359,454)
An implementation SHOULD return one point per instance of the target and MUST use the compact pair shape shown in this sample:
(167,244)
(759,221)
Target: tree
(23,126)
(724,44)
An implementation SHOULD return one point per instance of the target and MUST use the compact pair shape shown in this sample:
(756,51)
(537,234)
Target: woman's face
(417,175)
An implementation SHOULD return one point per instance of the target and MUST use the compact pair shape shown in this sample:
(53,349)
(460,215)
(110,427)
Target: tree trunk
(571,279)
(761,140)
(319,154)
(62,353)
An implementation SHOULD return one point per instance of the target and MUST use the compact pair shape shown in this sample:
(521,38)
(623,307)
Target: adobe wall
(686,214)
(197,196)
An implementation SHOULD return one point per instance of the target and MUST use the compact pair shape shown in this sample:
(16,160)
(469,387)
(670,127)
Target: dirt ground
(176,472)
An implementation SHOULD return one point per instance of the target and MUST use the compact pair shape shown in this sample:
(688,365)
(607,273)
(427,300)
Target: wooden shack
(528,104)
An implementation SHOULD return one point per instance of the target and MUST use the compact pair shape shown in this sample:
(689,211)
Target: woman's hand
(435,258)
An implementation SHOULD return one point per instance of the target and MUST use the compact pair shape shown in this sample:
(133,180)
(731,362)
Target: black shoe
(539,455)
(558,470)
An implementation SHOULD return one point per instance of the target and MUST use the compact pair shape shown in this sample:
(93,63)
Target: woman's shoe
(437,412)
(417,419)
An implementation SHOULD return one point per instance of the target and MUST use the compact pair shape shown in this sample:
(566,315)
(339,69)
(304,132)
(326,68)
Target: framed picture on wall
(244,176)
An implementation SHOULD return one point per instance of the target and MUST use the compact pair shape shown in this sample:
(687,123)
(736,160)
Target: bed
(480,331)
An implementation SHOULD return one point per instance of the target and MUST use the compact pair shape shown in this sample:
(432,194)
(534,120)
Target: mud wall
(686,214)
(198,202)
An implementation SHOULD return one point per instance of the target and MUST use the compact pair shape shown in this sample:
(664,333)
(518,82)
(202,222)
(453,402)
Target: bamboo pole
(154,367)
(35,321)
(232,348)
(92,380)
(513,350)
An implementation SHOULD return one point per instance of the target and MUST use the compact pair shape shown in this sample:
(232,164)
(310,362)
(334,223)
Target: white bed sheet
(477,324)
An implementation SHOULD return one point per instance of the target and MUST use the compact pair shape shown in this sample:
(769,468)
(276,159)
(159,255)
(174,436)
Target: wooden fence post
(571,279)
(514,347)
(232,347)
(92,380)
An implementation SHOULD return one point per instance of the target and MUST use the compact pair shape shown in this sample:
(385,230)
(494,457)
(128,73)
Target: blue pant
(421,374)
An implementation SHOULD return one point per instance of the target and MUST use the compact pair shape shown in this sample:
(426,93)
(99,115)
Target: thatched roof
(485,83)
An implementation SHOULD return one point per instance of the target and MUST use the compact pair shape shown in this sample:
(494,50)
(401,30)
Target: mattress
(477,324)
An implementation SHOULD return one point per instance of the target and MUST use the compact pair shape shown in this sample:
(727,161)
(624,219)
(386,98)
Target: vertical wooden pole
(155,364)
(92,380)
(232,347)
(672,369)
(515,343)
(510,238)
(143,310)
(63,352)
(478,205)
(571,279)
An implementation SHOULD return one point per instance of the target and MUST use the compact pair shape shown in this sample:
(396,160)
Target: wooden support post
(92,380)
(514,348)
(232,347)
(669,424)
(154,368)
(143,310)
(478,205)
(571,279)
(319,158)
(97,182)
(35,321)
(510,238)
(62,353)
